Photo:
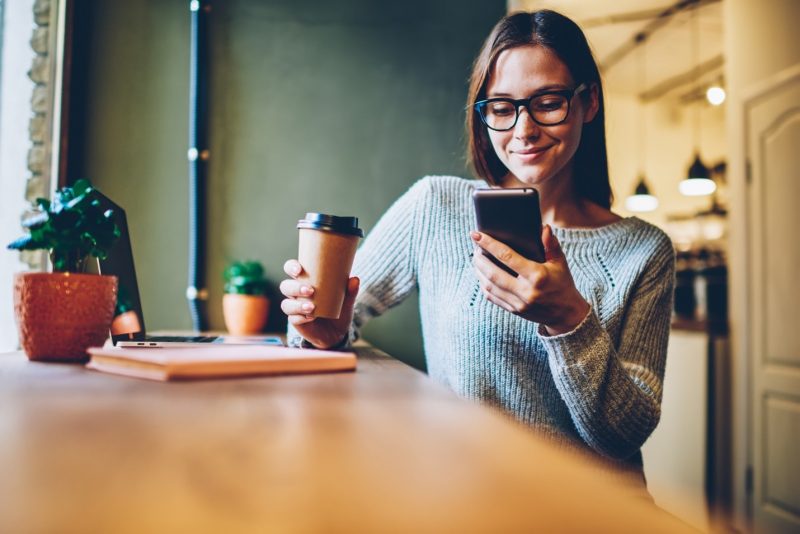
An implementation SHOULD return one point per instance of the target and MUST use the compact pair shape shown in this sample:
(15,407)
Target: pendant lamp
(698,180)
(641,200)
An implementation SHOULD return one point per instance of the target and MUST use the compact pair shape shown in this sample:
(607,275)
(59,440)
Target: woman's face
(537,155)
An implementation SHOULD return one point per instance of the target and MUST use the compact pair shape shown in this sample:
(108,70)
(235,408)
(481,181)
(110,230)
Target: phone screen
(511,216)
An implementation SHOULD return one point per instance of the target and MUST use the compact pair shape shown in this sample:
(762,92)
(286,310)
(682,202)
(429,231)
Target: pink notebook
(218,361)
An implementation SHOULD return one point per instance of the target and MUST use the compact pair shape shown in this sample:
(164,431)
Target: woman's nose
(526,127)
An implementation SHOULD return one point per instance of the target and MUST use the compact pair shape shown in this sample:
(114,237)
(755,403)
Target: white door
(772,129)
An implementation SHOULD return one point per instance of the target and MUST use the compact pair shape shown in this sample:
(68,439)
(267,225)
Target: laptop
(128,328)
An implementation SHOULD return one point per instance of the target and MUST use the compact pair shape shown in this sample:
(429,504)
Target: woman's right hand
(299,305)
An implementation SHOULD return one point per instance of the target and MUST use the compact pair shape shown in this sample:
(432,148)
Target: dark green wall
(317,106)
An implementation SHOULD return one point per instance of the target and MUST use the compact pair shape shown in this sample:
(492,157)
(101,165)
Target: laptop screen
(128,323)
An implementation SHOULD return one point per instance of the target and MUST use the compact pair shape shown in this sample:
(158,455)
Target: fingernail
(307,307)
(295,271)
(476,236)
(306,290)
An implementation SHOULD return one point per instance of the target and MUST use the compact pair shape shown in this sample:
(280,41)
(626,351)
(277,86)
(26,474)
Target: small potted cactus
(60,314)
(245,305)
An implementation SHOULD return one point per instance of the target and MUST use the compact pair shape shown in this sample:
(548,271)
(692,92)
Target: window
(16,55)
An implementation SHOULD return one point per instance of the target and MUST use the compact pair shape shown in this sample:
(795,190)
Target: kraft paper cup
(327,247)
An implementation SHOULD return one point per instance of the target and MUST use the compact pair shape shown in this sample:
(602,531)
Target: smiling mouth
(530,154)
(531,151)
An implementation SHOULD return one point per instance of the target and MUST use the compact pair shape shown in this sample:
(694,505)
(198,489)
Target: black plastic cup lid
(331,223)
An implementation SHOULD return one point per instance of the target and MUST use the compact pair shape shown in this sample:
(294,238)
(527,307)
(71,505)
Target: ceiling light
(641,200)
(715,95)
(698,180)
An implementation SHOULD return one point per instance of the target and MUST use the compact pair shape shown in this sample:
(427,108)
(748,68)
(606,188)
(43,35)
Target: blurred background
(340,106)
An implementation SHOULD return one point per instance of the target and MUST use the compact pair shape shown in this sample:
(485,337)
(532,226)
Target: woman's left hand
(543,292)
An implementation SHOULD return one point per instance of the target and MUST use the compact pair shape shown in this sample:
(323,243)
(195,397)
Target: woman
(575,346)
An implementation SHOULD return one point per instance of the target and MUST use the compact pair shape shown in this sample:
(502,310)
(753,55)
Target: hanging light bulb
(641,200)
(715,95)
(698,180)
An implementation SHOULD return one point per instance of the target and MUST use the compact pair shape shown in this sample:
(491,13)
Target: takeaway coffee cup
(327,248)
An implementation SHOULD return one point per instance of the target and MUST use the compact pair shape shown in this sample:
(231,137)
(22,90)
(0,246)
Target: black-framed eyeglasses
(546,109)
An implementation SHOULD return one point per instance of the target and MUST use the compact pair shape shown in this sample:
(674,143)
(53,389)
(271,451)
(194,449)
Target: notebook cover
(216,362)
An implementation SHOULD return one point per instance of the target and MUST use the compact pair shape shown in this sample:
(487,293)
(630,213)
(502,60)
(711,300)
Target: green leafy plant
(73,226)
(245,278)
(124,301)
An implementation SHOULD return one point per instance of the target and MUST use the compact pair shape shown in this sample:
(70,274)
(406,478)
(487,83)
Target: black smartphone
(513,217)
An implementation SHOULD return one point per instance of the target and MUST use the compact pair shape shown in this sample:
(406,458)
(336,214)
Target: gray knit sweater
(597,387)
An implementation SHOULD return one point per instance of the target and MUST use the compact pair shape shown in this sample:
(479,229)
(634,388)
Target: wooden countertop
(384,449)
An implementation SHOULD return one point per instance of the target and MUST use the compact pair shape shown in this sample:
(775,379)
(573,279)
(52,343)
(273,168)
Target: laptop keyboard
(183,339)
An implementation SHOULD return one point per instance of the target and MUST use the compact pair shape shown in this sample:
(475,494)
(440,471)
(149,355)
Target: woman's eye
(501,109)
(548,104)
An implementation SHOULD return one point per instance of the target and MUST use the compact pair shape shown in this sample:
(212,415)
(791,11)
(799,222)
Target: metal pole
(198,155)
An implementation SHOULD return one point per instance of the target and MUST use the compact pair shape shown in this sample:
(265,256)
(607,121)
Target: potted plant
(245,305)
(61,314)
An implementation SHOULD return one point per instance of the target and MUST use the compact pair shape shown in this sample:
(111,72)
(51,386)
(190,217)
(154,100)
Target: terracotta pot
(60,315)
(245,314)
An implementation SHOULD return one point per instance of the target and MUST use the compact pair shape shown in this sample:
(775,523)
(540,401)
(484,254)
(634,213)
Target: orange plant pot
(60,315)
(245,314)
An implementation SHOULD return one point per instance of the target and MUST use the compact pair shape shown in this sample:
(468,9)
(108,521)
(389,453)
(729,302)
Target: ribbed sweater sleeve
(614,393)
(386,262)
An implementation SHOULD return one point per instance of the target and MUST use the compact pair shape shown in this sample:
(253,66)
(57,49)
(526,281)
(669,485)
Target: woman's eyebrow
(540,90)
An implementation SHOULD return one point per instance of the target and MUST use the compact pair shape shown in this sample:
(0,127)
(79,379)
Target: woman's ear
(592,104)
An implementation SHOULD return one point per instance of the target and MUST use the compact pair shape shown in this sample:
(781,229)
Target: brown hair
(563,37)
